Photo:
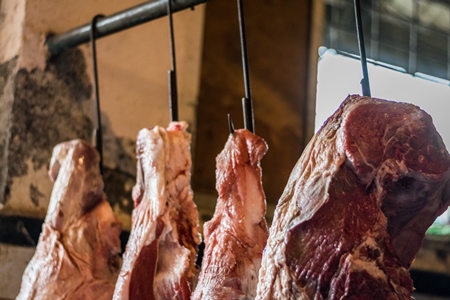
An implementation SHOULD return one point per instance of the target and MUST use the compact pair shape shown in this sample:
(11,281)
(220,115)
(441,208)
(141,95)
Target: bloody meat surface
(356,207)
(236,235)
(159,260)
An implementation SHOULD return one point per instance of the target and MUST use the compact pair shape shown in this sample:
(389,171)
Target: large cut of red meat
(356,207)
(159,260)
(236,235)
(77,256)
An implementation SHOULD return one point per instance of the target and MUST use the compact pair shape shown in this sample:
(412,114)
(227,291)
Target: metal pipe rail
(131,17)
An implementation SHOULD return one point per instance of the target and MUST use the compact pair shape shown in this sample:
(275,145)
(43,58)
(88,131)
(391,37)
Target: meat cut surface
(236,235)
(77,256)
(357,204)
(159,260)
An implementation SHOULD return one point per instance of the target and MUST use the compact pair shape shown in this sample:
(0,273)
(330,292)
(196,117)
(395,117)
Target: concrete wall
(12,17)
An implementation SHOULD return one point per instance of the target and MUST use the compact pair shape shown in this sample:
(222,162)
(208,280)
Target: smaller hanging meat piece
(77,256)
(159,261)
(236,235)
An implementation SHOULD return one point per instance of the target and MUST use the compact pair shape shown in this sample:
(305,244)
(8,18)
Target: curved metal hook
(230,124)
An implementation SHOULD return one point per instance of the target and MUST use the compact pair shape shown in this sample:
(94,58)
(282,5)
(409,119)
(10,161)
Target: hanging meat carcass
(356,207)
(77,256)
(236,235)
(159,261)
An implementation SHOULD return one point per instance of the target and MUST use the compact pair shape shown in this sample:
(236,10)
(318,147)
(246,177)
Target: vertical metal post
(413,28)
(375,34)
(334,31)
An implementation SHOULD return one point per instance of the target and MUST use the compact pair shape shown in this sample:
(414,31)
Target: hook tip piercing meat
(236,235)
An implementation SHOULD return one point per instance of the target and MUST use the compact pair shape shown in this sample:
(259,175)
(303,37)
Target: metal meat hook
(362,50)
(230,124)
(97,132)
(247,106)
(173,89)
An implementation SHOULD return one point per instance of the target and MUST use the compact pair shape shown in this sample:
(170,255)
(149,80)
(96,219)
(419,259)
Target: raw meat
(159,261)
(77,256)
(356,207)
(236,235)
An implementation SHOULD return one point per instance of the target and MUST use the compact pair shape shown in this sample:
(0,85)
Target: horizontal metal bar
(117,22)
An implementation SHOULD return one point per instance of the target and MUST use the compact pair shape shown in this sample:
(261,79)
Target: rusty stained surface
(7,71)
(48,107)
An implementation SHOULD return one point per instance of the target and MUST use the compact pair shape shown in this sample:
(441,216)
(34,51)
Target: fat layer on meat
(77,256)
(159,261)
(357,204)
(236,235)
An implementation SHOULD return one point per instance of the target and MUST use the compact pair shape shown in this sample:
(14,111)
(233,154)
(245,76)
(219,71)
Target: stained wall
(48,99)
